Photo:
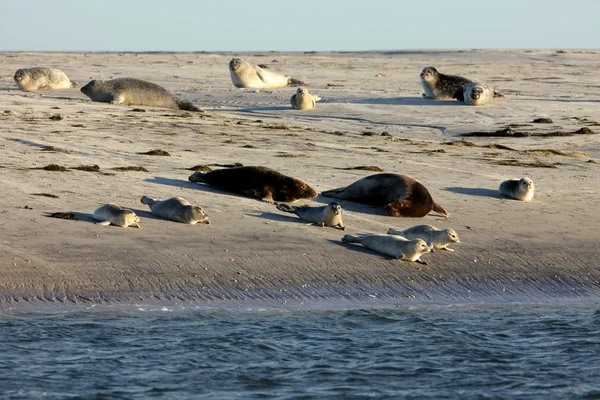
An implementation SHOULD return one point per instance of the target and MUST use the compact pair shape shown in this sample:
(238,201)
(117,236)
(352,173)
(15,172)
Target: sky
(296,25)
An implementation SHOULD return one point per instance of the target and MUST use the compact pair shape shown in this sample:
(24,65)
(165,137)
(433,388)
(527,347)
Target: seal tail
(294,81)
(286,208)
(350,239)
(392,231)
(197,177)
(440,210)
(146,200)
(186,105)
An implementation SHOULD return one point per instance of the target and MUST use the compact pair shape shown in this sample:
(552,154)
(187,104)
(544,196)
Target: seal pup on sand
(329,215)
(476,94)
(176,209)
(134,91)
(257,182)
(112,214)
(42,78)
(246,75)
(303,100)
(394,246)
(401,195)
(438,86)
(435,238)
(518,189)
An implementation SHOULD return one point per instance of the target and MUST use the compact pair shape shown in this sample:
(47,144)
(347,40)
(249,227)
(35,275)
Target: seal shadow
(359,248)
(81,217)
(408,101)
(481,192)
(352,206)
(145,214)
(179,183)
(270,108)
(278,217)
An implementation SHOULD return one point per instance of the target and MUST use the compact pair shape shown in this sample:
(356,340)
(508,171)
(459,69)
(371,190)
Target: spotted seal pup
(246,75)
(42,78)
(303,100)
(394,246)
(329,215)
(518,189)
(435,238)
(476,94)
(112,214)
(176,209)
(438,86)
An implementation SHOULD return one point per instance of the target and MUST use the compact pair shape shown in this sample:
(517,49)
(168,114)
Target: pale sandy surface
(543,250)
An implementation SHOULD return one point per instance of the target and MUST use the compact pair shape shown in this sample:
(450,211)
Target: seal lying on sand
(329,215)
(42,78)
(401,195)
(476,94)
(518,189)
(134,91)
(176,209)
(394,246)
(246,75)
(435,238)
(258,182)
(112,214)
(303,100)
(438,86)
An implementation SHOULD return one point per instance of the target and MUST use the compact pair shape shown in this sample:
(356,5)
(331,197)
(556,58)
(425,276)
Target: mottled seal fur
(112,214)
(329,215)
(475,94)
(42,78)
(518,189)
(401,195)
(394,246)
(435,238)
(258,182)
(246,75)
(438,86)
(303,100)
(134,91)
(176,209)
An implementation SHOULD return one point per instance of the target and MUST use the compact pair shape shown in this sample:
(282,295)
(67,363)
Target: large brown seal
(134,91)
(258,182)
(35,78)
(401,195)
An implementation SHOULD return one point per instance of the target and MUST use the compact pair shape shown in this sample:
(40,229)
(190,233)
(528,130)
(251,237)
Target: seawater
(508,351)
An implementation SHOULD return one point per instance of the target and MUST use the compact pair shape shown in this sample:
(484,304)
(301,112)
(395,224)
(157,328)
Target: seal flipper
(186,105)
(335,193)
(294,81)
(286,208)
(418,260)
(440,210)
(459,95)
(350,239)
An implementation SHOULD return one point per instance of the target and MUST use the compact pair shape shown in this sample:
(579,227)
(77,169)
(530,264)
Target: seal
(112,214)
(329,215)
(401,195)
(394,246)
(42,78)
(435,238)
(246,75)
(438,86)
(518,189)
(475,94)
(257,182)
(176,209)
(303,100)
(134,91)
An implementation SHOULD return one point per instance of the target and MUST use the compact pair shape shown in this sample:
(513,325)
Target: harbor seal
(401,195)
(329,215)
(475,94)
(176,209)
(246,75)
(257,182)
(303,100)
(134,91)
(394,246)
(435,238)
(438,86)
(112,214)
(518,189)
(42,78)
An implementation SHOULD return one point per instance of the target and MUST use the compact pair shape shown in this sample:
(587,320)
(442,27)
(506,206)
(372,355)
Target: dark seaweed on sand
(64,215)
(133,168)
(364,168)
(53,167)
(52,196)
(88,168)
(157,152)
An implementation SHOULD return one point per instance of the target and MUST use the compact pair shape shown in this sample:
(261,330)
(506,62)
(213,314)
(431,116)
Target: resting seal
(329,215)
(246,75)
(303,100)
(112,214)
(476,94)
(438,86)
(518,189)
(435,238)
(394,246)
(401,195)
(176,209)
(134,91)
(257,182)
(42,78)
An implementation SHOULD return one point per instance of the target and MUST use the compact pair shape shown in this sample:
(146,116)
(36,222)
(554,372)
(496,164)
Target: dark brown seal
(258,182)
(401,195)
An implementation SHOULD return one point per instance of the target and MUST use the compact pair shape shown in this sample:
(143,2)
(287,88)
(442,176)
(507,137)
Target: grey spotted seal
(438,86)
(518,189)
(435,238)
(393,246)
(476,94)
(176,209)
(401,195)
(303,100)
(134,91)
(246,75)
(329,215)
(112,214)
(42,78)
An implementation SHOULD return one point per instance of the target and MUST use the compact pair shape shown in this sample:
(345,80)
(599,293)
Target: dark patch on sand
(137,110)
(363,168)
(532,164)
(64,215)
(509,132)
(429,151)
(57,117)
(542,121)
(287,155)
(132,168)
(498,146)
(277,126)
(249,146)
(200,167)
(460,143)
(78,126)
(48,148)
(52,196)
(53,167)
(88,168)
(157,152)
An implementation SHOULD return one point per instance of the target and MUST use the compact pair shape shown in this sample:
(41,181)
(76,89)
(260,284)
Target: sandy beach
(371,114)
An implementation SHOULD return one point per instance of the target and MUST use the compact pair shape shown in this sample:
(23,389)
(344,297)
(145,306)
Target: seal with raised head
(435,238)
(518,189)
(329,215)
(476,94)
(438,86)
(303,100)
(132,91)
(257,182)
(112,214)
(176,209)
(393,246)
(401,195)
(246,75)
(42,78)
